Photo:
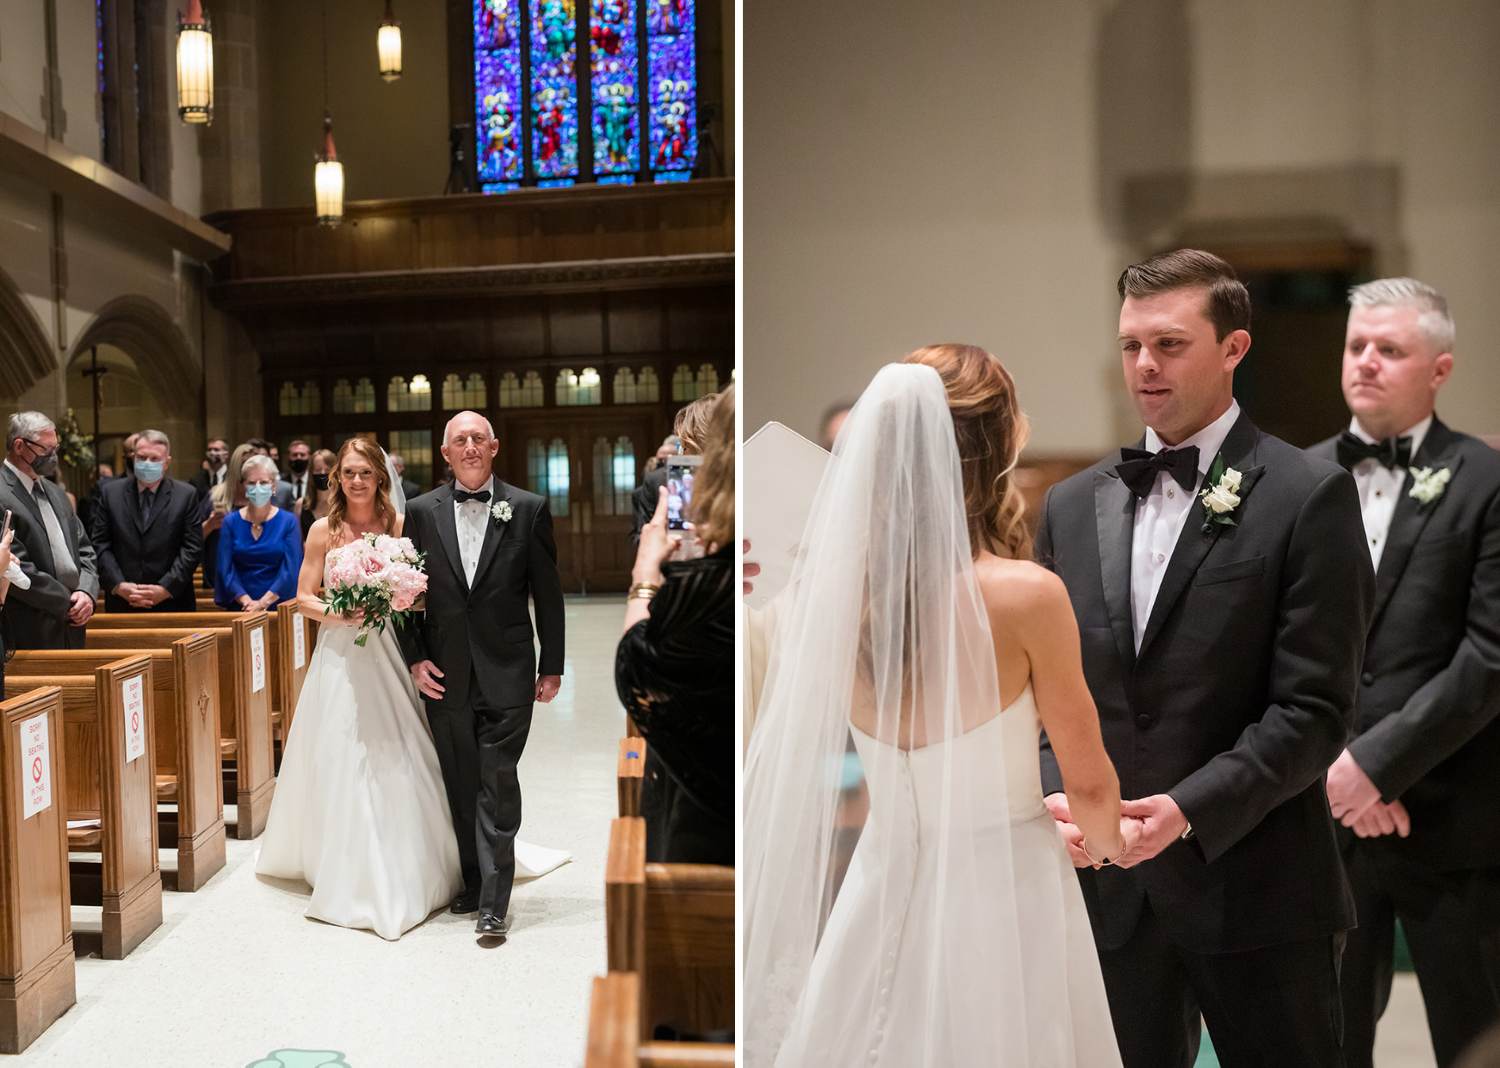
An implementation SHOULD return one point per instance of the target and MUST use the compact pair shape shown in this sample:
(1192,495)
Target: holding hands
(1147,826)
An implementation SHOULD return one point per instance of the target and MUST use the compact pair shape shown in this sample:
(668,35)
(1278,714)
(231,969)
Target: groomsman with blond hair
(1415,789)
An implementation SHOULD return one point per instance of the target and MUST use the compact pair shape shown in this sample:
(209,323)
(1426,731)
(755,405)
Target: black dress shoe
(466,901)
(491,925)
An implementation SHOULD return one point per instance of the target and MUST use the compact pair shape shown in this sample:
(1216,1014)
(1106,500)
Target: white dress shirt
(472,518)
(1160,514)
(1380,486)
(65,566)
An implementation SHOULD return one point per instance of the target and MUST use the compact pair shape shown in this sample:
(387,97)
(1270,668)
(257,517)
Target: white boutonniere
(501,511)
(1427,485)
(1222,496)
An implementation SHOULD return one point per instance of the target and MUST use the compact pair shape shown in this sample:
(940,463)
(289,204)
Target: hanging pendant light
(388,41)
(195,65)
(328,180)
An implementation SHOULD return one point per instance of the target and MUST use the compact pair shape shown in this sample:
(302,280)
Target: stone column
(230,147)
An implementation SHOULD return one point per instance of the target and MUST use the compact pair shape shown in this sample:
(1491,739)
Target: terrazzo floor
(236,973)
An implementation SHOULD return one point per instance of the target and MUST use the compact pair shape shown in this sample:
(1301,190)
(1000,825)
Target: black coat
(38,617)
(1241,697)
(643,501)
(1425,720)
(164,552)
(487,630)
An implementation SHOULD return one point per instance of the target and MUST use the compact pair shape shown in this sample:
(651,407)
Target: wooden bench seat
(630,774)
(673,925)
(244,707)
(186,711)
(102,781)
(614,1040)
(36,930)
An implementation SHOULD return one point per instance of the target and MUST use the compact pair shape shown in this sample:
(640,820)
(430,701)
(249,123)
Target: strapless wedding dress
(1066,1009)
(360,813)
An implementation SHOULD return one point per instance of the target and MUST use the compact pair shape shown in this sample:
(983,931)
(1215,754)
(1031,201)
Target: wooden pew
(36,929)
(186,680)
(672,924)
(295,637)
(244,707)
(105,782)
(614,1023)
(630,774)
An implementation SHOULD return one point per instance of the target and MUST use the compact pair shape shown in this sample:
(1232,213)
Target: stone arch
(143,329)
(25,352)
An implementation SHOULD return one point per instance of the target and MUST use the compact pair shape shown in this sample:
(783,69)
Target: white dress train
(360,813)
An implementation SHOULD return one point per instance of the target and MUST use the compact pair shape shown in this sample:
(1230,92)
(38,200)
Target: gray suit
(38,617)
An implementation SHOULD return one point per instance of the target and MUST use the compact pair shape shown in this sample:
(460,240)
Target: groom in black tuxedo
(489,547)
(1222,593)
(1417,784)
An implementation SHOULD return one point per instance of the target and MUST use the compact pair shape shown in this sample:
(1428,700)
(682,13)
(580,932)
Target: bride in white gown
(360,813)
(959,936)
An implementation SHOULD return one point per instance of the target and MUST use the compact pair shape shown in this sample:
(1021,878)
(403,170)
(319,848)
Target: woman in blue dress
(260,546)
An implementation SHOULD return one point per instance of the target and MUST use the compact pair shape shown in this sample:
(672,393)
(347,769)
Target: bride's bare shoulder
(1017,591)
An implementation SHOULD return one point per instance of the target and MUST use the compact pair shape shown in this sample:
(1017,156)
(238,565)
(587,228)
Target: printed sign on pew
(36,767)
(135,718)
(257,660)
(299,643)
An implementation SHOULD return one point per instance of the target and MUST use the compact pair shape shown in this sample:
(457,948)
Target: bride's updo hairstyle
(338,504)
(991,430)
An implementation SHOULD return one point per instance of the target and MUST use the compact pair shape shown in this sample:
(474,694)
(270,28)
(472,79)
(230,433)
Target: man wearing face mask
(50,542)
(297,458)
(215,464)
(147,534)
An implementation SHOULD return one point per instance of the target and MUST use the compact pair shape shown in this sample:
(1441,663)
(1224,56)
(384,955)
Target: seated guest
(674,669)
(260,546)
(314,504)
(222,499)
(54,550)
(147,535)
(690,425)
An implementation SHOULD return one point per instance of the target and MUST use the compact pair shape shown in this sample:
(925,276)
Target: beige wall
(911,178)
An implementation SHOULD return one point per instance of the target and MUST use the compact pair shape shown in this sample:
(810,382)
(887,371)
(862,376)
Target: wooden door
(586,465)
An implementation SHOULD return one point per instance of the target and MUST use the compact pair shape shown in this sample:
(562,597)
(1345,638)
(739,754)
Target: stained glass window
(547,472)
(684,387)
(413,396)
(460,394)
(359,398)
(582,388)
(708,379)
(632,389)
(307,401)
(415,449)
(633,98)
(614,476)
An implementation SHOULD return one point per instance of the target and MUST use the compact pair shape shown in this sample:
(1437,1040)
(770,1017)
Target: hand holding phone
(680,489)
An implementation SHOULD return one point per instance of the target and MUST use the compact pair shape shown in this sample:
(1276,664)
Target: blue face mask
(258,492)
(148,471)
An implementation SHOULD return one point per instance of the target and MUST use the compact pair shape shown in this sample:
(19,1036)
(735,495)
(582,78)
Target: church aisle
(237,972)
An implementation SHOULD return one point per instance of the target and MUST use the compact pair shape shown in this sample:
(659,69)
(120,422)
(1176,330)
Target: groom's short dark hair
(1228,300)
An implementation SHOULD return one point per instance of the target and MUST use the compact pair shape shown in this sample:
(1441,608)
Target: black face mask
(320,481)
(297,466)
(44,463)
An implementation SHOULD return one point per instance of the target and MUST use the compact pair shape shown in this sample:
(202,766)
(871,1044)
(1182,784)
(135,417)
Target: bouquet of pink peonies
(378,574)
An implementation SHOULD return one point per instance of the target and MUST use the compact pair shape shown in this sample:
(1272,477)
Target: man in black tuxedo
(1222,594)
(489,547)
(50,544)
(147,534)
(215,467)
(1417,784)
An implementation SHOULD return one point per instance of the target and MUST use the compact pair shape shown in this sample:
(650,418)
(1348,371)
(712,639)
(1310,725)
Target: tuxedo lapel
(447,529)
(1411,516)
(494,533)
(1114,516)
(1193,545)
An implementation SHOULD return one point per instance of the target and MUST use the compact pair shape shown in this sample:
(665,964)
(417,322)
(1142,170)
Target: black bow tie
(1392,452)
(1138,468)
(482,496)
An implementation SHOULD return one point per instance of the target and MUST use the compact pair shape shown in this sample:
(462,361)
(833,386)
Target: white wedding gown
(892,874)
(360,813)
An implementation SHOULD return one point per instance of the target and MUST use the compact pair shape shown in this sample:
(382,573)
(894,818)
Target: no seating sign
(36,767)
(135,718)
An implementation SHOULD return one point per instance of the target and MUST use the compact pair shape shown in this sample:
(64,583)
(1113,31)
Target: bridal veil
(884,630)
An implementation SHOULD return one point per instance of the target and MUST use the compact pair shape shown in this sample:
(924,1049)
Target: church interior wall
(972,178)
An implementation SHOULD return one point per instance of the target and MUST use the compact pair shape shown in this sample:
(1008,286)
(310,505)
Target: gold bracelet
(642,591)
(1085,847)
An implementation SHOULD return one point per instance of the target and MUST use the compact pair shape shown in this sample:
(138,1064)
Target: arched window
(624,391)
(290,400)
(528,134)
(647,387)
(517,394)
(582,388)
(307,401)
(684,387)
(413,396)
(547,472)
(358,399)
(708,379)
(614,476)
(459,394)
(415,449)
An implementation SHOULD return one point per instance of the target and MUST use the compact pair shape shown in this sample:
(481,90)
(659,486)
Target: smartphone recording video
(680,489)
